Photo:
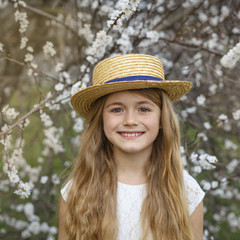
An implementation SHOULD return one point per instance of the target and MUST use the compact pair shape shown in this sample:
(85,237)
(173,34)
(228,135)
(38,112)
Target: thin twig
(37,108)
(50,16)
(191,46)
(115,22)
(13,60)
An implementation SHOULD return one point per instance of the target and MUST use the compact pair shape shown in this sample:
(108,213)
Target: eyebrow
(138,103)
(114,103)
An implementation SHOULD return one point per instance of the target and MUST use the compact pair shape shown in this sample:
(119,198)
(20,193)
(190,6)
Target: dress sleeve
(193,191)
(65,190)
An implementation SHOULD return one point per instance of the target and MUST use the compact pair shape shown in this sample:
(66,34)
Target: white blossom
(34,65)
(52,135)
(44,179)
(24,189)
(26,234)
(185,70)
(30,72)
(45,119)
(230,145)
(236,115)
(77,87)
(1,47)
(64,96)
(20,3)
(53,230)
(99,46)
(212,89)
(59,67)
(44,227)
(78,126)
(35,227)
(233,220)
(197,169)
(65,77)
(86,32)
(206,185)
(222,119)
(203,17)
(9,113)
(21,17)
(23,42)
(224,13)
(230,59)
(203,136)
(28,57)
(6,141)
(30,49)
(207,125)
(204,160)
(191,109)
(153,35)
(201,100)
(83,68)
(3,3)
(232,165)
(28,209)
(13,177)
(48,49)
(125,43)
(59,87)
(214,21)
(86,79)
(55,179)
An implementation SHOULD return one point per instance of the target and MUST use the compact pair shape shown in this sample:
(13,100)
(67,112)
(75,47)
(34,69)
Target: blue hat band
(134,78)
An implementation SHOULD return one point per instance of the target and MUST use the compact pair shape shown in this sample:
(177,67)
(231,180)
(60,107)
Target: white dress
(129,203)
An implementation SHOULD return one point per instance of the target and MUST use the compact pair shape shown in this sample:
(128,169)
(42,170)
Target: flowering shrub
(47,52)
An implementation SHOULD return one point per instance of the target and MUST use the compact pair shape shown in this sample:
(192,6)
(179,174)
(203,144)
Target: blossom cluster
(203,161)
(48,49)
(123,10)
(98,48)
(230,59)
(32,225)
(9,113)
(52,139)
(21,17)
(10,168)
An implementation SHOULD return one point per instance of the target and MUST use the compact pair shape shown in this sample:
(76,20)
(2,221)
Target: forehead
(125,94)
(127,97)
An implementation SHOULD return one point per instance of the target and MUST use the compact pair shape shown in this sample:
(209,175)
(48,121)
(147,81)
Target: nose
(130,118)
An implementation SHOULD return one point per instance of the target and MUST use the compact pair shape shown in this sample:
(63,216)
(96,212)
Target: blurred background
(47,52)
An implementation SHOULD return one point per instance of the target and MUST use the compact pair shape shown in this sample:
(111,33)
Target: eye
(116,110)
(144,109)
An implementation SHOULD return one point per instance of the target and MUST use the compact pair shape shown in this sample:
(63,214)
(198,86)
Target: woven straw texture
(124,66)
(127,65)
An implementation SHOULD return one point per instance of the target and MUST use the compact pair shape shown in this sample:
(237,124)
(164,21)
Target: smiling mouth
(131,135)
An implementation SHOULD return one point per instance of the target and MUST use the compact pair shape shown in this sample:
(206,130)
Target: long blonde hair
(92,200)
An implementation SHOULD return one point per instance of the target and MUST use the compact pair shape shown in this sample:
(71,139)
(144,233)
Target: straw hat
(131,71)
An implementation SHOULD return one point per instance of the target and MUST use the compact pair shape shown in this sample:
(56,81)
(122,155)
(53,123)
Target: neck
(131,167)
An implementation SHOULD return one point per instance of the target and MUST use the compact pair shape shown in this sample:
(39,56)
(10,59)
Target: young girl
(128,182)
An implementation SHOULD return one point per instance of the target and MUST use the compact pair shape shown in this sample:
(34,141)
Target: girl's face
(131,122)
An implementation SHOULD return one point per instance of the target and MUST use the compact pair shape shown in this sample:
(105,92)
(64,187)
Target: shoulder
(65,190)
(194,192)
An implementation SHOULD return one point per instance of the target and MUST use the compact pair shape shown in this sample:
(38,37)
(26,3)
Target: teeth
(131,134)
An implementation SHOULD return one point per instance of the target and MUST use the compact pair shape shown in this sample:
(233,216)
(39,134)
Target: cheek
(108,125)
(153,123)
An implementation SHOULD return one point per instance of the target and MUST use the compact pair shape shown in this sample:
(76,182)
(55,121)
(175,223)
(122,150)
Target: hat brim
(83,100)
